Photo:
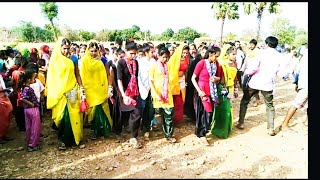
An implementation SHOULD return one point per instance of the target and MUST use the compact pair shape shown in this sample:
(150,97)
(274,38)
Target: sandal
(62,146)
(30,149)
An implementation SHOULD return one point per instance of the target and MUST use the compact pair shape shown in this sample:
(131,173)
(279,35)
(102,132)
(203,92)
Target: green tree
(71,34)
(230,37)
(56,29)
(167,35)
(259,7)
(155,37)
(301,38)
(135,28)
(25,31)
(204,35)
(186,34)
(223,10)
(282,29)
(86,35)
(50,9)
(102,35)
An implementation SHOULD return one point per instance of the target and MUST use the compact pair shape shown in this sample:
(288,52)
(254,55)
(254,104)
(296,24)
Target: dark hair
(150,44)
(271,41)
(253,41)
(186,47)
(2,54)
(140,50)
(24,76)
(131,46)
(163,51)
(119,51)
(75,45)
(83,45)
(31,66)
(9,51)
(41,62)
(73,49)
(212,50)
(94,44)
(22,61)
(139,46)
(107,49)
(111,44)
(118,41)
(230,49)
(160,46)
(146,47)
(65,41)
(194,45)
(204,47)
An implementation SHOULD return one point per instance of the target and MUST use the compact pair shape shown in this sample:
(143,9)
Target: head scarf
(45,49)
(26,53)
(173,68)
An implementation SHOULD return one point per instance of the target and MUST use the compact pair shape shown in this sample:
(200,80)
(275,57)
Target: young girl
(161,90)
(31,111)
(42,71)
(209,73)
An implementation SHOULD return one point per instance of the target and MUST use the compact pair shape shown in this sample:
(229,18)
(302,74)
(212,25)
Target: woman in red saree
(179,98)
(5,111)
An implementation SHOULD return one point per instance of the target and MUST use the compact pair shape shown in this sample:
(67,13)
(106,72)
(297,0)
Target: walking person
(263,73)
(161,89)
(63,84)
(148,111)
(130,105)
(301,99)
(206,72)
(95,82)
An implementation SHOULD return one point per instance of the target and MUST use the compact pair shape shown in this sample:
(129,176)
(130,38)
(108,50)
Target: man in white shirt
(240,61)
(263,72)
(301,99)
(144,88)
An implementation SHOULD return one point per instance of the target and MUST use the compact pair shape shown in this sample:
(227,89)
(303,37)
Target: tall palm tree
(259,7)
(50,9)
(225,10)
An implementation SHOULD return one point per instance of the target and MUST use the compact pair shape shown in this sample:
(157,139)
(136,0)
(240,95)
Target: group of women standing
(118,93)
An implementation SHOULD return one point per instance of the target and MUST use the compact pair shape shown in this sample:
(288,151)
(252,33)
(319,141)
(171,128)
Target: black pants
(268,99)
(239,77)
(203,119)
(147,113)
(133,117)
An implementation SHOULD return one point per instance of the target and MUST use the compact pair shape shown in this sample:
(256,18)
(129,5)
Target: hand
(82,94)
(236,94)
(201,93)
(31,105)
(214,79)
(158,98)
(181,73)
(110,91)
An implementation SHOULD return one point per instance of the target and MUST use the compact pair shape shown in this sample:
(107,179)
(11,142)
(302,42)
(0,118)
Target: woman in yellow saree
(181,59)
(62,87)
(95,81)
(223,113)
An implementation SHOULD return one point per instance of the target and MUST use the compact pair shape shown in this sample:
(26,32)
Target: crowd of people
(124,87)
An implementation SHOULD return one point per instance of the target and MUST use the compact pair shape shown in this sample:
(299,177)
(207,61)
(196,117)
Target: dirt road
(248,153)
